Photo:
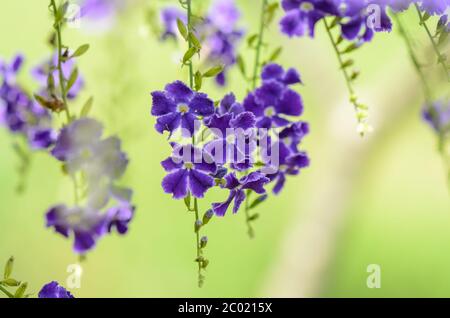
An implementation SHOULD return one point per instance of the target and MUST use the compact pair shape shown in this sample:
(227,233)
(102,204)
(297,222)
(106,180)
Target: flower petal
(201,105)
(199,183)
(180,92)
(161,105)
(176,183)
(169,122)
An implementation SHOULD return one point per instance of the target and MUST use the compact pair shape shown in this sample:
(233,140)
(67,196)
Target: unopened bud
(8,268)
(198,224)
(203,241)
(208,216)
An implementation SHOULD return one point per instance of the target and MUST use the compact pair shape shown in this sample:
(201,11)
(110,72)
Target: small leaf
(214,71)
(72,79)
(258,201)
(241,65)
(189,54)
(350,48)
(251,40)
(187,202)
(11,282)
(21,290)
(182,29)
(347,64)
(87,107)
(195,41)
(81,50)
(275,54)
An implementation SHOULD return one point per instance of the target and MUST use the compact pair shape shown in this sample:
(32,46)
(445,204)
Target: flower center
(269,111)
(306,6)
(183,108)
(189,165)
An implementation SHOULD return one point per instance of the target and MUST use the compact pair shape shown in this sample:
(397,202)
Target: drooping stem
(6,292)
(259,44)
(360,109)
(414,59)
(340,59)
(57,26)
(441,59)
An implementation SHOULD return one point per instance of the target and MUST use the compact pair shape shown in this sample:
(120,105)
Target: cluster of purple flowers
(19,112)
(359,19)
(219,32)
(101,162)
(239,147)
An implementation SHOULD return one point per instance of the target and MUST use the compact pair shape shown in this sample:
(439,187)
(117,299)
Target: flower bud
(208,216)
(9,268)
(203,241)
(198,224)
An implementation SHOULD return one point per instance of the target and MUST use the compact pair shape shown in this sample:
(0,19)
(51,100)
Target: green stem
(189,23)
(57,27)
(259,45)
(340,59)
(62,85)
(414,59)
(7,293)
(441,60)
(251,232)
(196,212)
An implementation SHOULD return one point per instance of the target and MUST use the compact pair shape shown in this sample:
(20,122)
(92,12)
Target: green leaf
(87,107)
(241,65)
(11,282)
(182,29)
(251,39)
(213,71)
(347,64)
(187,202)
(258,201)
(198,80)
(72,79)
(21,290)
(8,268)
(189,54)
(350,48)
(195,41)
(275,54)
(81,50)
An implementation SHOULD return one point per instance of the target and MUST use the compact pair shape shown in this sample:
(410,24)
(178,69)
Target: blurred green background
(386,200)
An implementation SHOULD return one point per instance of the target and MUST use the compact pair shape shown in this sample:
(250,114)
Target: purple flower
(179,106)
(190,171)
(255,181)
(49,68)
(437,115)
(54,290)
(81,147)
(86,224)
(290,161)
(169,17)
(302,15)
(274,99)
(434,7)
(224,15)
(18,112)
(362,20)
(101,14)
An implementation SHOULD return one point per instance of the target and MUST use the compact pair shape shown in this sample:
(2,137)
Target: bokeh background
(378,200)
